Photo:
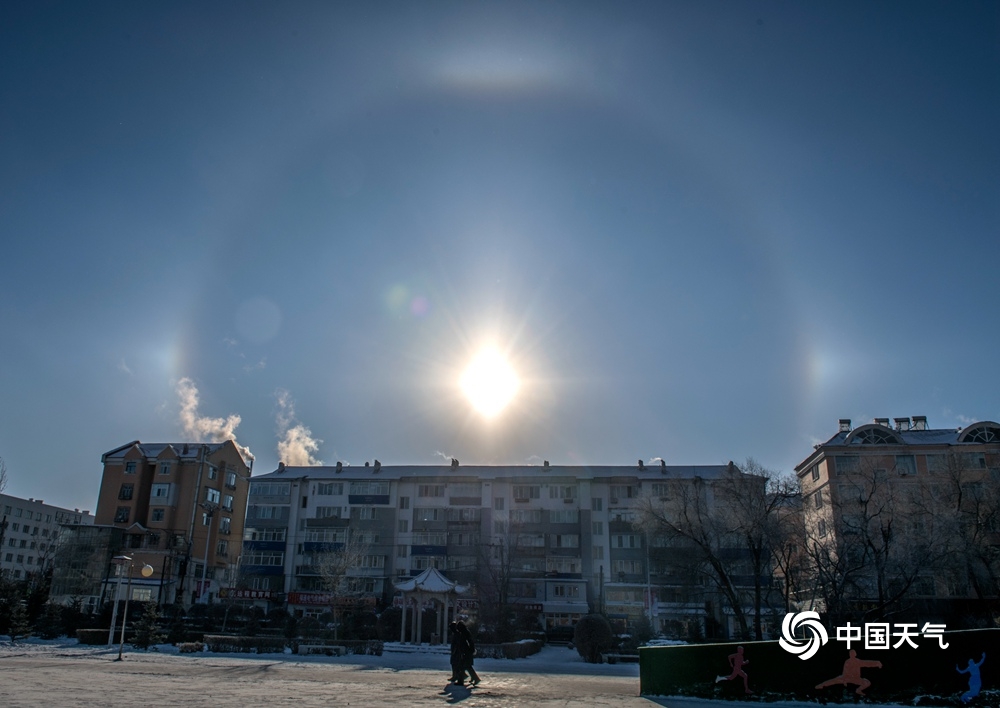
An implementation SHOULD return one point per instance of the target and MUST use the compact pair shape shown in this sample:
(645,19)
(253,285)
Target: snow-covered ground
(64,673)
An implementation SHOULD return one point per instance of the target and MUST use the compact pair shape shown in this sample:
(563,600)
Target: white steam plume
(297,444)
(200,428)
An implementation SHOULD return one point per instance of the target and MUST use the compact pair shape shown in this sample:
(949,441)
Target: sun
(489,383)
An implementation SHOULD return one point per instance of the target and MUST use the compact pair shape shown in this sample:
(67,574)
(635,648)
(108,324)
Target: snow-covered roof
(403,472)
(430,581)
(184,450)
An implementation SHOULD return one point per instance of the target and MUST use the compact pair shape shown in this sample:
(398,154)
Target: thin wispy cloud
(296,444)
(123,367)
(205,428)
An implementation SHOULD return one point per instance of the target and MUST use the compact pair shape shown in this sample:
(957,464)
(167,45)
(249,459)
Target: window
(18,512)
(330,489)
(264,558)
(121,515)
(906,465)
(531,540)
(526,516)
(372,562)
(463,539)
(404,525)
(562,491)
(212,472)
(498,504)
(524,492)
(464,514)
(15,527)
(367,513)
(212,496)
(231,479)
(270,489)
(562,565)
(251,534)
(814,471)
(157,515)
(428,514)
(597,552)
(425,562)
(430,490)
(159,491)
(328,512)
(225,524)
(626,540)
(566,590)
(6,510)
(597,528)
(20,558)
(401,551)
(165,468)
(430,539)
(565,516)
(847,464)
(9,557)
(369,488)
(222,548)
(596,504)
(125,492)
(404,502)
(130,467)
(565,540)
(821,527)
(227,502)
(628,567)
(818,498)
(623,491)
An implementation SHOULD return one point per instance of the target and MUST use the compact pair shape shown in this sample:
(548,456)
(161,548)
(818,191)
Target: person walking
(457,655)
(468,653)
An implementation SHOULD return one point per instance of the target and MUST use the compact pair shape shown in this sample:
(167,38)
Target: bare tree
(870,539)
(501,561)
(337,565)
(3,475)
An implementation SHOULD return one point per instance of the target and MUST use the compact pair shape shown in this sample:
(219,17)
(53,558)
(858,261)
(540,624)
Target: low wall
(928,671)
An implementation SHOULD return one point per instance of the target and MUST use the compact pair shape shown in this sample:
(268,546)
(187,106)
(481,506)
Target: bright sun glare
(489,383)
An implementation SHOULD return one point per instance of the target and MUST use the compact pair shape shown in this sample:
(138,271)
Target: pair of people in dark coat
(463,649)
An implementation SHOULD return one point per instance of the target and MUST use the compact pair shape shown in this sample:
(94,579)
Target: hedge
(774,674)
(509,650)
(372,647)
(247,645)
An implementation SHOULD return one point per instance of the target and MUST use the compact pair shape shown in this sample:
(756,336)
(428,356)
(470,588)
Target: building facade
(552,542)
(900,517)
(181,508)
(29,530)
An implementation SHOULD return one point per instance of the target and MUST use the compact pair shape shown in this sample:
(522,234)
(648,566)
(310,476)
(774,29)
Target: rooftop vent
(185,448)
(340,466)
(454,463)
(845,425)
(378,466)
(642,465)
(882,421)
(545,463)
(920,422)
(367,463)
(902,423)
(281,466)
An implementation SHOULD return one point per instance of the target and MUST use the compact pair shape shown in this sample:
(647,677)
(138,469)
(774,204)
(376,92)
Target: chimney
(545,463)
(845,425)
(340,466)
(920,422)
(378,466)
(367,464)
(281,466)
(902,423)
(882,421)
(641,466)
(454,463)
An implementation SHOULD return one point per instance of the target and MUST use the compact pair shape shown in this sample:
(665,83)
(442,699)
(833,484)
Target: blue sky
(698,231)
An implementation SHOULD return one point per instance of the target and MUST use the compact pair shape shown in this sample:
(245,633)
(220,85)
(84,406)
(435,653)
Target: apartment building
(562,541)
(900,517)
(29,530)
(181,508)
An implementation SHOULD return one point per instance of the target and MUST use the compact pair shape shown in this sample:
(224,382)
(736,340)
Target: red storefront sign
(245,594)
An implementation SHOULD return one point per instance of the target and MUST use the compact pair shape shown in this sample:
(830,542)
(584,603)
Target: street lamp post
(147,571)
(120,562)
(210,510)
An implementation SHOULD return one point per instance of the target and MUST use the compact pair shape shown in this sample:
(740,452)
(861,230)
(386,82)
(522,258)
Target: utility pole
(210,510)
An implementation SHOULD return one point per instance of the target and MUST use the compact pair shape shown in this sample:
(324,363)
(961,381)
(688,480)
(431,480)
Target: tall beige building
(181,507)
